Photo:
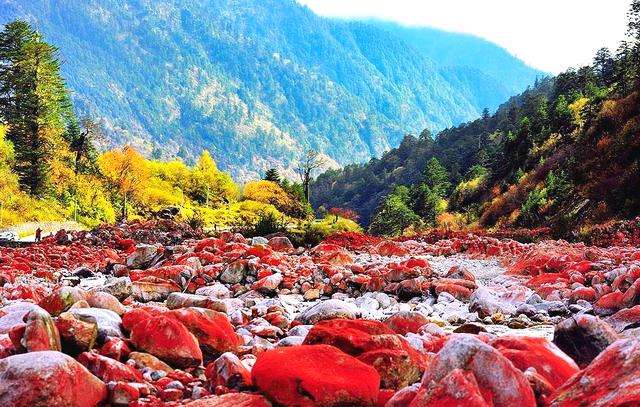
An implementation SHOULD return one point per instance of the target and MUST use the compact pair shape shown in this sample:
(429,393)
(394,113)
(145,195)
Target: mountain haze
(258,82)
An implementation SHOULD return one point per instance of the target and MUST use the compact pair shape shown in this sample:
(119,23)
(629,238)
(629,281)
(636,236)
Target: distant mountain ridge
(259,82)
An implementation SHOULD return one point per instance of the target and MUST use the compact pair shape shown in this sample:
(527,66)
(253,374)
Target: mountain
(362,187)
(258,82)
(467,53)
(564,154)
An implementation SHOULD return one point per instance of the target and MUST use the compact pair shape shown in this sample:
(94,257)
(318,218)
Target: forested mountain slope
(258,82)
(487,72)
(564,154)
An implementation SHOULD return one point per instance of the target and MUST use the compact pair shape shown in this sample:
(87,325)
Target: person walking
(38,235)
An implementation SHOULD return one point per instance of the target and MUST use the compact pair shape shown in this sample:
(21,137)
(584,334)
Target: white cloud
(552,35)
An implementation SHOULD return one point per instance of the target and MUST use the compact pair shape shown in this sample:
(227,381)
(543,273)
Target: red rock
(316,375)
(172,273)
(77,335)
(540,386)
(169,395)
(231,400)
(214,243)
(14,314)
(500,384)
(6,346)
(184,300)
(27,292)
(612,379)
(141,360)
(396,368)
(168,339)
(48,378)
(259,250)
(122,394)
(136,315)
(583,293)
(405,322)
(269,284)
(458,291)
(115,348)
(228,371)
(338,258)
(403,397)
(621,320)
(389,248)
(101,299)
(462,273)
(153,289)
(419,263)
(281,244)
(62,299)
(549,361)
(609,304)
(214,331)
(373,342)
(40,332)
(458,388)
(109,370)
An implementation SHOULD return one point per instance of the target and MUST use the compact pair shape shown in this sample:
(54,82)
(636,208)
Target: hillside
(259,82)
(564,155)
(487,72)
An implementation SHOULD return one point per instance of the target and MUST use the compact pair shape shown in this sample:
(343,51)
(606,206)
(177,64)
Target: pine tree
(436,178)
(272,175)
(33,101)
(603,65)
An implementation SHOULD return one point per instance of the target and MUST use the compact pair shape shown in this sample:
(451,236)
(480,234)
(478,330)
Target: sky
(551,35)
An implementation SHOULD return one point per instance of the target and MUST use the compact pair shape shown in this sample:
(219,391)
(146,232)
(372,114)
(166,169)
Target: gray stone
(109,323)
(233,273)
(142,257)
(216,290)
(583,337)
(329,309)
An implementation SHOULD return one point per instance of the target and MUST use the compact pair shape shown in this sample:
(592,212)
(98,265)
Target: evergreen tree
(603,65)
(634,33)
(272,175)
(436,178)
(394,215)
(33,101)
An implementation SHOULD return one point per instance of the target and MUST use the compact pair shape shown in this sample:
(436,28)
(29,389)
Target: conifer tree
(33,102)
(272,175)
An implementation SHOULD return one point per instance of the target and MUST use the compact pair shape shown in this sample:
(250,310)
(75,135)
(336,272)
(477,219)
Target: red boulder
(48,378)
(612,379)
(168,339)
(549,361)
(316,375)
(213,330)
(498,382)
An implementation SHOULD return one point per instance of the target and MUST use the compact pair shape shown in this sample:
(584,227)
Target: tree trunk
(124,208)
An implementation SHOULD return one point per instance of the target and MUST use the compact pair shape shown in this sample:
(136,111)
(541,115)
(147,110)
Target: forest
(564,154)
(50,168)
(259,82)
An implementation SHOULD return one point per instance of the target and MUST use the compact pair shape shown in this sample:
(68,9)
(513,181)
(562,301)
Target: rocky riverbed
(155,314)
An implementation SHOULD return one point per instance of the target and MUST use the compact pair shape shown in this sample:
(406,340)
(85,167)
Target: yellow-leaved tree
(210,186)
(268,192)
(127,173)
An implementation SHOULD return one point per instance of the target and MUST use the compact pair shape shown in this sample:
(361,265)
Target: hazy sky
(548,34)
